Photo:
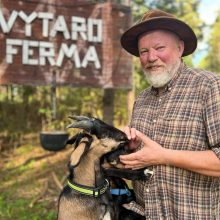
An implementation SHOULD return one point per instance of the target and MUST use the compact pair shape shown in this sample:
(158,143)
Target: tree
(212,60)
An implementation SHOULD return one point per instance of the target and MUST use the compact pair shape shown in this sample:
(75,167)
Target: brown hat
(154,20)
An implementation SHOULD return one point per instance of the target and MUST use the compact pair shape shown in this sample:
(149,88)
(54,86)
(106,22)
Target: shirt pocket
(181,131)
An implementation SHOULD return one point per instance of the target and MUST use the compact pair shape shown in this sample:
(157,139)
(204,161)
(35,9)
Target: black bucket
(53,140)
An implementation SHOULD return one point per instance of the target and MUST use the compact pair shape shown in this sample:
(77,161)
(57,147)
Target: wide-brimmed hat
(159,20)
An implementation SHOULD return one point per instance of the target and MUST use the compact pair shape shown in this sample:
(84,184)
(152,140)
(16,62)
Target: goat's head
(103,140)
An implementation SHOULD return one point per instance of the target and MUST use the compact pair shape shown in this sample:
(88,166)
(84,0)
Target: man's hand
(134,142)
(150,154)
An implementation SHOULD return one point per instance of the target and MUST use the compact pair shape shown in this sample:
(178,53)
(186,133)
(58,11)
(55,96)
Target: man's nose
(152,55)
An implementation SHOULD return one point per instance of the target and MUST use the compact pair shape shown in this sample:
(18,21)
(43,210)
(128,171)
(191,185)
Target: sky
(208,12)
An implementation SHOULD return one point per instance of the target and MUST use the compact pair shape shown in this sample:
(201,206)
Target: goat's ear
(76,139)
(72,140)
(79,152)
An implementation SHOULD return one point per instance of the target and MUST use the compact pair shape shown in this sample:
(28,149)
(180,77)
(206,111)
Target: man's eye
(160,48)
(143,51)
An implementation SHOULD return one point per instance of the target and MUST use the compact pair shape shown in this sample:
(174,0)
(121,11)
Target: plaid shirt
(185,117)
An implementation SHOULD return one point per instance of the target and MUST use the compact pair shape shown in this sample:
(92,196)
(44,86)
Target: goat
(87,195)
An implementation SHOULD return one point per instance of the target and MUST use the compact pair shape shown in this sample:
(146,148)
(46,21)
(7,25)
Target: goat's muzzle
(111,159)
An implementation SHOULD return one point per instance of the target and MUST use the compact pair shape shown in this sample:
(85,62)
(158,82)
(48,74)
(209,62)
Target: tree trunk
(130,103)
(108,106)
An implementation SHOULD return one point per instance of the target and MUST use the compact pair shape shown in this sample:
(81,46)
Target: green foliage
(188,12)
(185,10)
(188,60)
(26,109)
(138,9)
(120,108)
(212,60)
(17,209)
(18,117)
(139,77)
(85,101)
(27,190)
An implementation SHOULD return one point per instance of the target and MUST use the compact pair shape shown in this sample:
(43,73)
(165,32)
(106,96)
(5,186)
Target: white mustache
(147,66)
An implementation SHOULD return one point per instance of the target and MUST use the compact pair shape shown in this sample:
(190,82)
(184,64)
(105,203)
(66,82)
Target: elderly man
(175,126)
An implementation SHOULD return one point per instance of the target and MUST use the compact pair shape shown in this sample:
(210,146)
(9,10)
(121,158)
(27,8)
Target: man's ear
(181,47)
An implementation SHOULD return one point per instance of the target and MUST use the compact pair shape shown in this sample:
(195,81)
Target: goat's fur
(97,140)
(73,205)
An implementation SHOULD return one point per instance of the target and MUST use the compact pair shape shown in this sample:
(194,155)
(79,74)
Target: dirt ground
(31,174)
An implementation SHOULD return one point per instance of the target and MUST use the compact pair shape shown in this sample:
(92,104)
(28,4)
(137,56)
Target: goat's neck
(85,172)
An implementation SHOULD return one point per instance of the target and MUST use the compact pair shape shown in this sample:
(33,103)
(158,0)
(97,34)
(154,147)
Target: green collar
(87,190)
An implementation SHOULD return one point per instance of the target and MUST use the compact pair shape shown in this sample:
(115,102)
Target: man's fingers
(127,132)
(133,133)
(132,164)
(135,165)
(130,132)
(128,157)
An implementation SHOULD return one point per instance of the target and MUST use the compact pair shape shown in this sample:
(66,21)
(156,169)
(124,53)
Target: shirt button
(169,89)
(147,190)
(160,100)
(154,121)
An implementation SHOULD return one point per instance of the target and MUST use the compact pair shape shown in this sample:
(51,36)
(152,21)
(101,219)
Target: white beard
(160,78)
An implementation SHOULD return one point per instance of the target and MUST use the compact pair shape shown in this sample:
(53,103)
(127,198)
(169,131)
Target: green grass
(25,149)
(19,209)
(24,177)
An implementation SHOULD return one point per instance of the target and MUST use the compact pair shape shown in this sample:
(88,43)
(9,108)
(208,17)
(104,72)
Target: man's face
(160,54)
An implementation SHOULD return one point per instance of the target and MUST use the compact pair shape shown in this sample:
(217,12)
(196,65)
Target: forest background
(25,111)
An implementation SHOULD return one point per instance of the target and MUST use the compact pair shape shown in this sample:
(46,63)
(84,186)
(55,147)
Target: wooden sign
(65,42)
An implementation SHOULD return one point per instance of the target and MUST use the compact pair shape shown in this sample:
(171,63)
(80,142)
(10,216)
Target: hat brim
(129,39)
